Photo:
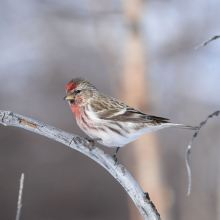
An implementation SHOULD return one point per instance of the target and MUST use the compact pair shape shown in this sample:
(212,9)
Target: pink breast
(83,121)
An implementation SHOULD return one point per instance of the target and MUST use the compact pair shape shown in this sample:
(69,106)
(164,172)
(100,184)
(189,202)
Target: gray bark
(141,199)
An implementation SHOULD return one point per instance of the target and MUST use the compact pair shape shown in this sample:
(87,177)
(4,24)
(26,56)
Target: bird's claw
(115,158)
(91,143)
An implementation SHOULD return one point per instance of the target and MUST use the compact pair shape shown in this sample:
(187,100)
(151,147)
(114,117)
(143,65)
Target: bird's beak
(69,97)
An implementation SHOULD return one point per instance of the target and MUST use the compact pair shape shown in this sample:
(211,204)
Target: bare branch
(142,202)
(20,197)
(188,150)
(202,45)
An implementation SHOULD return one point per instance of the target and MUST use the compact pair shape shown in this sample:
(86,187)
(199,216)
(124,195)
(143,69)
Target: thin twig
(119,172)
(202,45)
(188,150)
(20,197)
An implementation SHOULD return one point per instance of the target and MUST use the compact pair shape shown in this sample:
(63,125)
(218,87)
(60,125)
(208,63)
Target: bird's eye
(78,91)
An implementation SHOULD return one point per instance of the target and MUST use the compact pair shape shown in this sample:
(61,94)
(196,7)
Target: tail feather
(183,126)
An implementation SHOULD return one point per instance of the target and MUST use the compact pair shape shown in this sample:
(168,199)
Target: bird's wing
(114,110)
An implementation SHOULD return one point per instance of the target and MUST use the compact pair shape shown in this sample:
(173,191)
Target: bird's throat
(77,110)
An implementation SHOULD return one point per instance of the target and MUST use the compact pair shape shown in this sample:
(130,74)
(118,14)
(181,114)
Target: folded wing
(115,110)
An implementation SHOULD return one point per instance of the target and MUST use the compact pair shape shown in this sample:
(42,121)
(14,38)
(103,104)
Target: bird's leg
(92,141)
(115,158)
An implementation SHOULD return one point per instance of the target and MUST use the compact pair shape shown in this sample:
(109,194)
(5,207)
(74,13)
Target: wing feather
(114,110)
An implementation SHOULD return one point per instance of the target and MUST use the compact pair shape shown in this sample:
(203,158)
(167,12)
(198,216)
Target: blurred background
(141,52)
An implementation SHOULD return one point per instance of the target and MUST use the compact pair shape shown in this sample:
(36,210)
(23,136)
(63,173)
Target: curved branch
(141,199)
(188,150)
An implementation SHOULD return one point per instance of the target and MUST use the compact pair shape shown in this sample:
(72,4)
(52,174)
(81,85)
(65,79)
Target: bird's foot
(115,158)
(91,142)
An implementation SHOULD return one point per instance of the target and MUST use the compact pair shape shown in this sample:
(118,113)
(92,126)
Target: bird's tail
(183,126)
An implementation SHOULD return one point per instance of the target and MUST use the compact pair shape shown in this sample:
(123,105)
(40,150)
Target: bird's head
(80,92)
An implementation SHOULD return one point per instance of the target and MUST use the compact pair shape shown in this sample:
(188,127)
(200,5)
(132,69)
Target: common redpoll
(106,119)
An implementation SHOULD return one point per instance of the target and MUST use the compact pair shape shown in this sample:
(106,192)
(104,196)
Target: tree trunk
(135,93)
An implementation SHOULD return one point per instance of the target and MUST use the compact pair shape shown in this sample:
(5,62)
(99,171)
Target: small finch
(107,120)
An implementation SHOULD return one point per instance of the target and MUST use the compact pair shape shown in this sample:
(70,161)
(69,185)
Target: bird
(107,120)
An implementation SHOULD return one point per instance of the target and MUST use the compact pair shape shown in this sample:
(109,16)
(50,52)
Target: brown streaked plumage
(106,119)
